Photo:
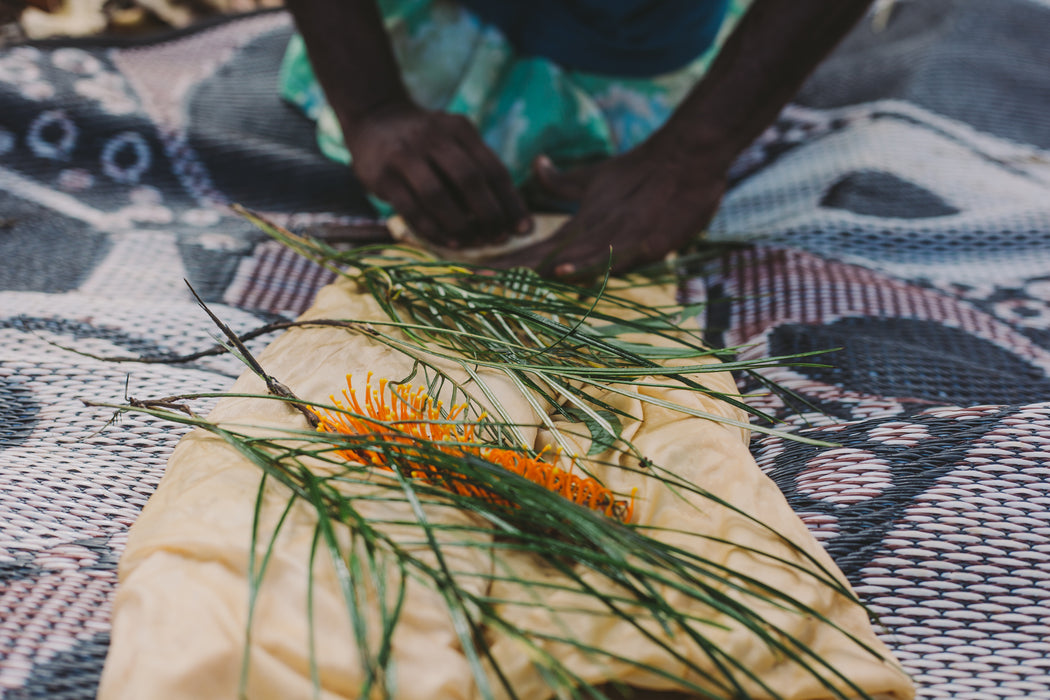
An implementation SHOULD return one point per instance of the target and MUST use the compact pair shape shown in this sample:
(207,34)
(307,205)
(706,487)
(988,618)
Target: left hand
(641,205)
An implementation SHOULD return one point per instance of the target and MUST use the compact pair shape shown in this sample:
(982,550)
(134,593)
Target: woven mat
(899,211)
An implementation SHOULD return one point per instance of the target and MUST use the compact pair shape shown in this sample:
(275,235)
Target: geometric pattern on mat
(899,211)
(936,504)
(941,520)
(69,489)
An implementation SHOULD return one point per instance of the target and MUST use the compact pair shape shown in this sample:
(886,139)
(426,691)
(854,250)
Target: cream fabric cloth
(180,612)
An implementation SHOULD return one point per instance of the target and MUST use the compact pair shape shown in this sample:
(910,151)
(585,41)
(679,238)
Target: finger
(540,258)
(543,256)
(435,203)
(613,260)
(602,247)
(503,187)
(569,185)
(400,197)
(634,251)
(470,184)
(584,249)
(586,268)
(510,200)
(499,185)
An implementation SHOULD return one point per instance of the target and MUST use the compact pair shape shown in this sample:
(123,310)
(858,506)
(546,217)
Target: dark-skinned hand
(438,173)
(634,209)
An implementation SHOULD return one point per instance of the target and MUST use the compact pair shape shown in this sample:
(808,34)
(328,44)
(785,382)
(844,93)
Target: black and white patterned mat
(900,211)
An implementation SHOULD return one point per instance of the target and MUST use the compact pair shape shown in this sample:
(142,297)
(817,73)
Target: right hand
(439,175)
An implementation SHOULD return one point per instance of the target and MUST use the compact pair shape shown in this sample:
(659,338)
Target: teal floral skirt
(523,106)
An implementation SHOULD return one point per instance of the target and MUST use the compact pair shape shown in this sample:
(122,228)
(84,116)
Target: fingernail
(525,225)
(565,269)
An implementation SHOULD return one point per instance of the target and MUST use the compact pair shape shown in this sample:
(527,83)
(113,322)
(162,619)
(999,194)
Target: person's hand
(438,174)
(636,208)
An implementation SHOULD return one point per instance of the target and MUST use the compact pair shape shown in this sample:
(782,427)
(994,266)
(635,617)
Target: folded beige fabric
(181,609)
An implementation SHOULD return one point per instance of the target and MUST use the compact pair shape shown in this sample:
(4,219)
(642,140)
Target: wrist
(716,148)
(357,118)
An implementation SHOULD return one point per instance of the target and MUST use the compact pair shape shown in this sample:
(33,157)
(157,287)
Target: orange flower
(411,415)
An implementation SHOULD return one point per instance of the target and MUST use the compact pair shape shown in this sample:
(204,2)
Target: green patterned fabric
(523,106)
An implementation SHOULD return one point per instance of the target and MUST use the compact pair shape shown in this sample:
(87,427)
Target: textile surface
(897,211)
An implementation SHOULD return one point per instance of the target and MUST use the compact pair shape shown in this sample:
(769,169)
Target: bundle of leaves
(563,348)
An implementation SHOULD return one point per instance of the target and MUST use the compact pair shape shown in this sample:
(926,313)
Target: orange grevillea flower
(401,415)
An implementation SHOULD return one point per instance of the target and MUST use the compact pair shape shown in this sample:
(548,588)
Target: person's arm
(655,198)
(10,10)
(432,167)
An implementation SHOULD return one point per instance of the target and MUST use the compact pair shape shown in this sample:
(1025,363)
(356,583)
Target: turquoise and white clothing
(523,105)
(624,38)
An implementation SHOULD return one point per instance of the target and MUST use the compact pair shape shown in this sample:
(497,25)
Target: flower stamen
(413,414)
